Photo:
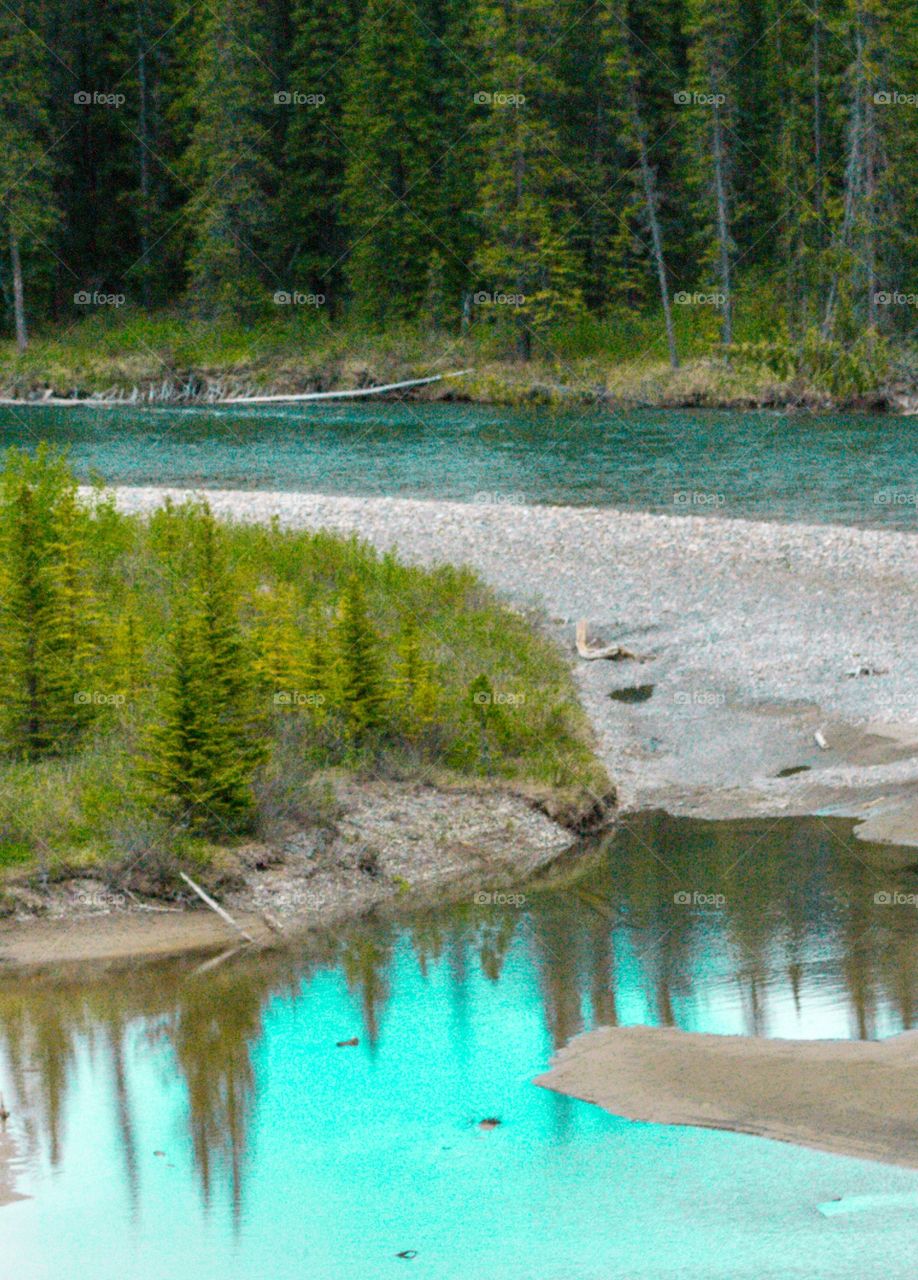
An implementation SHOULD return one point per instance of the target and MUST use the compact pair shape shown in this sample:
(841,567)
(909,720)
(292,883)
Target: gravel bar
(755,637)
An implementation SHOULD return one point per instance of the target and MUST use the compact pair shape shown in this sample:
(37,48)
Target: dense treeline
(510,162)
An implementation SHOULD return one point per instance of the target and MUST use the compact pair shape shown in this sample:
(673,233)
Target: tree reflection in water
(778,913)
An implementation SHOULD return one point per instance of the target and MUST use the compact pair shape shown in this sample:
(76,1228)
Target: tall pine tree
(26,153)
(389,126)
(315,155)
(523,208)
(47,620)
(204,745)
(227,166)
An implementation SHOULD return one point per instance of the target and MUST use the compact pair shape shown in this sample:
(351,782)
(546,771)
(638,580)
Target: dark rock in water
(632,693)
(489,1123)
(407,1253)
(347,1044)
(791,770)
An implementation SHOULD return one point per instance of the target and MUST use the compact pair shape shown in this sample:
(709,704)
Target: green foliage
(389,127)
(203,747)
(28,207)
(229,165)
(524,255)
(415,684)
(358,674)
(220,669)
(47,631)
(418,155)
(825,364)
(314,150)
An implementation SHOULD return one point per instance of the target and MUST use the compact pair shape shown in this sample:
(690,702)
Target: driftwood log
(169,393)
(612,652)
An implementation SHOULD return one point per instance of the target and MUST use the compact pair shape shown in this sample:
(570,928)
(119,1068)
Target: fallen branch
(166,396)
(590,652)
(215,906)
(344,395)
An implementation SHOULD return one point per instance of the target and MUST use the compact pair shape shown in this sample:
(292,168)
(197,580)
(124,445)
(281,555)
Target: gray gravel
(750,632)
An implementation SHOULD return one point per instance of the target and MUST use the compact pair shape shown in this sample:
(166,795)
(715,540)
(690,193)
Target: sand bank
(856,1098)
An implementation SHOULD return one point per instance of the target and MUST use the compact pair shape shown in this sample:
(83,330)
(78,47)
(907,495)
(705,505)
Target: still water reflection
(197,1119)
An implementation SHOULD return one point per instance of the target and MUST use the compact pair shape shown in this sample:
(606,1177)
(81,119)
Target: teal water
(283,1156)
(842,468)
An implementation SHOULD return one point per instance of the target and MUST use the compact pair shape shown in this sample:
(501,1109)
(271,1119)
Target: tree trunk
(523,333)
(656,235)
(817,120)
(723,227)
(852,177)
(22,333)
(143,149)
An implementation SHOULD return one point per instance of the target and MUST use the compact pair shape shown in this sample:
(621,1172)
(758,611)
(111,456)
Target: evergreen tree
(795,188)
(227,166)
(204,748)
(314,151)
(359,684)
(317,672)
(627,75)
(127,652)
(279,664)
(389,125)
(414,683)
(26,154)
(142,51)
(528,149)
(524,213)
(46,614)
(711,28)
(877,209)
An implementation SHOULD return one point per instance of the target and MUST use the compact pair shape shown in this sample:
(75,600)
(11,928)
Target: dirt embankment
(393,844)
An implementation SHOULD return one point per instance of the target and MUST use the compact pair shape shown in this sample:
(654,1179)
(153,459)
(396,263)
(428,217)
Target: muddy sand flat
(850,1097)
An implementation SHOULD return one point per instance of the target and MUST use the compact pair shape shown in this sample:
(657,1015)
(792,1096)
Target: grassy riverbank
(619,362)
(178,687)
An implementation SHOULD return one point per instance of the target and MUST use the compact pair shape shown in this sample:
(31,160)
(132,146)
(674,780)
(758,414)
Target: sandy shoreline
(850,1097)
(756,636)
